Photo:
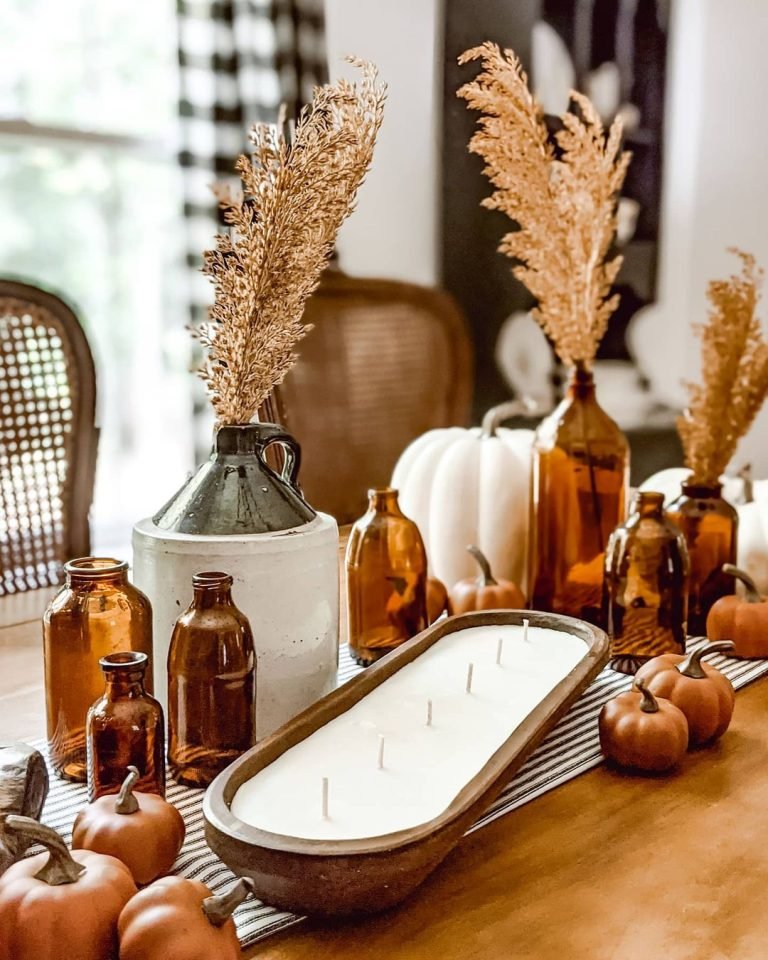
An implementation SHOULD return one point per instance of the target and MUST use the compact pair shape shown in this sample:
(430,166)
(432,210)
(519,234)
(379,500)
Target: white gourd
(752,541)
(470,486)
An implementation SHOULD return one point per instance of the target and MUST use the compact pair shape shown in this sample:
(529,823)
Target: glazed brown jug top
(236,492)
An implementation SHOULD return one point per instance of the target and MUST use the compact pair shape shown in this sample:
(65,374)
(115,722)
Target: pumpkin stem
(60,868)
(525,407)
(218,909)
(753,595)
(486,578)
(749,485)
(126,802)
(649,703)
(691,666)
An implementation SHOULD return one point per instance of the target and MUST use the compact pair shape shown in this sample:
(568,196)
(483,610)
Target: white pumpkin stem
(753,594)
(745,475)
(486,577)
(526,407)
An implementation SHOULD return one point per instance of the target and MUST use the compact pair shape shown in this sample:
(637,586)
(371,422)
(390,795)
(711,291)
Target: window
(90,203)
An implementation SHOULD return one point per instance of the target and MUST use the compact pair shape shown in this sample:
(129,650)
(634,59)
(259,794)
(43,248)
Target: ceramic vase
(239,515)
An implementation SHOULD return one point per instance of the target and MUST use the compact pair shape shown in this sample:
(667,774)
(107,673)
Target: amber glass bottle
(386,579)
(579,496)
(95,613)
(645,589)
(211,683)
(125,728)
(710,527)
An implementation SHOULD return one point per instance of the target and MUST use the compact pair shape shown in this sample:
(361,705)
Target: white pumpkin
(470,486)
(668,482)
(752,543)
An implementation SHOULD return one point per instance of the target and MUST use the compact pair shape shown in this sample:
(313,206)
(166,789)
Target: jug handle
(273,433)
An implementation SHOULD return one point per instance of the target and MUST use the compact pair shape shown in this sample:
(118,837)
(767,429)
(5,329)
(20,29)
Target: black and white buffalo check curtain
(239,60)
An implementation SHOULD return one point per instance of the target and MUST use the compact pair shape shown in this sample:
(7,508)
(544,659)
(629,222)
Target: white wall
(394,231)
(715,189)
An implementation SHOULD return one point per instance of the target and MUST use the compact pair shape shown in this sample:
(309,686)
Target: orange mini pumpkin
(484,592)
(438,601)
(57,905)
(179,919)
(141,829)
(641,732)
(744,620)
(702,692)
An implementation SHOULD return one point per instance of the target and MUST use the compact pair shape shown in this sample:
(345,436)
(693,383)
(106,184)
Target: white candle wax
(429,765)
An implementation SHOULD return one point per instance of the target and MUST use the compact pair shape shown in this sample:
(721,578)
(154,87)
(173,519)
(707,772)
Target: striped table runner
(570,749)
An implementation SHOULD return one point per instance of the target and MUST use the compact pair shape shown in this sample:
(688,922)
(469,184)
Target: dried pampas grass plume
(564,201)
(283,226)
(734,374)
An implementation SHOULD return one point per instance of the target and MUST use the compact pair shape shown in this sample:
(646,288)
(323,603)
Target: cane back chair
(48,439)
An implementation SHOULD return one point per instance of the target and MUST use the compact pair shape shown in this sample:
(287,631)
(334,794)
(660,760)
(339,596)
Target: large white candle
(427,764)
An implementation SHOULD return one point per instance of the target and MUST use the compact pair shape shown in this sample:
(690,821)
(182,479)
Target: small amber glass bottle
(710,527)
(211,683)
(645,590)
(125,728)
(386,579)
(95,613)
(579,496)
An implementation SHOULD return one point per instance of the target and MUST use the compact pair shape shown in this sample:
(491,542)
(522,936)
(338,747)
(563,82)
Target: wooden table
(603,868)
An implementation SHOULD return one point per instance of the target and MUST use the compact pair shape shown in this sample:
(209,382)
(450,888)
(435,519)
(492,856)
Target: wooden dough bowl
(329,878)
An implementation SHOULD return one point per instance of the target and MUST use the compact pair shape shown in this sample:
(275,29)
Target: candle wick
(525,630)
(429,713)
(381,751)
(499,645)
(325,798)
(470,668)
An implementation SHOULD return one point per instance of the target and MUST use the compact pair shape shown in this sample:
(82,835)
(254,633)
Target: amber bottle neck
(581,383)
(649,504)
(211,589)
(125,685)
(90,571)
(384,500)
(703,491)
(124,673)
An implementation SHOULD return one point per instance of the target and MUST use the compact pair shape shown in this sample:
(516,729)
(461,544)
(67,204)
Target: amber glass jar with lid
(386,567)
(580,483)
(645,590)
(97,612)
(710,526)
(211,683)
(125,728)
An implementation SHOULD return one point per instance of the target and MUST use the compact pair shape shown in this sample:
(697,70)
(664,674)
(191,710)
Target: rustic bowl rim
(216,806)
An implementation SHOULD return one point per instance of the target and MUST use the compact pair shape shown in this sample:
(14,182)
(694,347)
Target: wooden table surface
(604,868)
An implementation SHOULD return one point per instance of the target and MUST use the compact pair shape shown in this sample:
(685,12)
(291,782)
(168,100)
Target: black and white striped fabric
(238,61)
(570,749)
